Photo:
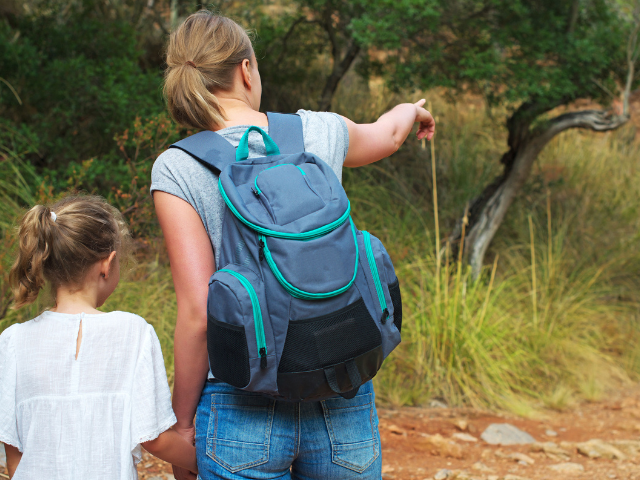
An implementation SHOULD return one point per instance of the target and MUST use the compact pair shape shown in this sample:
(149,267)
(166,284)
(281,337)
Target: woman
(212,82)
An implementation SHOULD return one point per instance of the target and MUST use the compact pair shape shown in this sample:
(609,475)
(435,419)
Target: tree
(294,34)
(537,56)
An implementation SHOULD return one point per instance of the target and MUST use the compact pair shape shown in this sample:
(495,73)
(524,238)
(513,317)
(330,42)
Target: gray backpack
(303,306)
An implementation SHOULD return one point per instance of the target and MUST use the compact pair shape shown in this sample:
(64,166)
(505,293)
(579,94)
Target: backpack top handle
(242,152)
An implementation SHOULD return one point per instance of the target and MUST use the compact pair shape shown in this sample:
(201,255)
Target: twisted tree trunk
(488,210)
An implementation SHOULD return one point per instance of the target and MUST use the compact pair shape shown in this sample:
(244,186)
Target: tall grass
(553,318)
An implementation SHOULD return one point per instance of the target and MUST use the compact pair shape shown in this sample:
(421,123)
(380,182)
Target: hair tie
(189,62)
(54,217)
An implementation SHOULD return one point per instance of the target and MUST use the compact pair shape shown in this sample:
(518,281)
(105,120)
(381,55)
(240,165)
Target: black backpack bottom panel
(313,385)
(329,339)
(228,353)
(326,355)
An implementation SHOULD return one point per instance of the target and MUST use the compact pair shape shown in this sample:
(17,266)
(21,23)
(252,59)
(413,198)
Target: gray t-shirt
(176,172)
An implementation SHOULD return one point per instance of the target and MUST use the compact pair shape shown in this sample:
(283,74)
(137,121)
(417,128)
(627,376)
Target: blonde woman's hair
(59,243)
(202,55)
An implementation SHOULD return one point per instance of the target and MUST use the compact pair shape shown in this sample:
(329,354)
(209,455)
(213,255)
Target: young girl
(80,389)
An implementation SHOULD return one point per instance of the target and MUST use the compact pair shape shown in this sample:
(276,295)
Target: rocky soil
(594,441)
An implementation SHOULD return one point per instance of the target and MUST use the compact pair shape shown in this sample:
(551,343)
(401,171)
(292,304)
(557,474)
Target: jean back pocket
(239,431)
(352,426)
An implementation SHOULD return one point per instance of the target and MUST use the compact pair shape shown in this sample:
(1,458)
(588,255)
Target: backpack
(303,306)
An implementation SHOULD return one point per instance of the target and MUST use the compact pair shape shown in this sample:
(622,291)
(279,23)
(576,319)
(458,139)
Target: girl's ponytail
(35,239)
(60,243)
(202,56)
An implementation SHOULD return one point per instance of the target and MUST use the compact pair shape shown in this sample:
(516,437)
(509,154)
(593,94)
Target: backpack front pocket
(327,266)
(239,340)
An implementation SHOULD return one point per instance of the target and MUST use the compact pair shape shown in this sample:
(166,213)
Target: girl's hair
(59,243)
(201,58)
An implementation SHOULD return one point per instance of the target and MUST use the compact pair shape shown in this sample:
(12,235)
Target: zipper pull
(263,358)
(385,316)
(261,250)
(255,192)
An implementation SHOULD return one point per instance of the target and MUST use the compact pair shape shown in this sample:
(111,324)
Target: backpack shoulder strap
(286,131)
(208,148)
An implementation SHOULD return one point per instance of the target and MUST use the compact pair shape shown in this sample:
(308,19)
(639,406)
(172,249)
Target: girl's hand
(427,126)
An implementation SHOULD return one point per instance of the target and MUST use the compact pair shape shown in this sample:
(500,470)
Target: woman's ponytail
(202,56)
(60,243)
(35,239)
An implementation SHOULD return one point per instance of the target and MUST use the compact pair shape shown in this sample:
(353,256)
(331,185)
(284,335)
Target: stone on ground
(505,434)
(550,449)
(597,449)
(521,458)
(568,468)
(443,474)
(465,437)
(438,445)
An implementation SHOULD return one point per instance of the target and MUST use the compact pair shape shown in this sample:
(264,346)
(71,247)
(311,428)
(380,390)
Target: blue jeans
(241,435)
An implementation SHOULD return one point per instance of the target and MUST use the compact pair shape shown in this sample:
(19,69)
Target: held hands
(427,127)
(188,434)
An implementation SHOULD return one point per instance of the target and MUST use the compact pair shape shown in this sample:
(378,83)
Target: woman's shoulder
(326,135)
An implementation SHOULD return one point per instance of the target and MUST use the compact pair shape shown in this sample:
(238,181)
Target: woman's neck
(238,112)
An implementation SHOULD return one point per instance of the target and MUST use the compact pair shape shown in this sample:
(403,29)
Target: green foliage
(79,81)
(518,51)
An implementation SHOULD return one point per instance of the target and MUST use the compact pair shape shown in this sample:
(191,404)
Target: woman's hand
(189,434)
(370,142)
(427,127)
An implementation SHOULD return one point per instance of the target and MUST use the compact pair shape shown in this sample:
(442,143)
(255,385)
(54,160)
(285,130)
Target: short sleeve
(326,135)
(8,372)
(151,412)
(163,176)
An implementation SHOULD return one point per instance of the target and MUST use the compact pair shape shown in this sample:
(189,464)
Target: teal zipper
(317,232)
(376,276)
(257,316)
(255,182)
(296,292)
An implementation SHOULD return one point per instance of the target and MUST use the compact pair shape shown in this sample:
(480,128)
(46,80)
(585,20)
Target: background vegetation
(552,317)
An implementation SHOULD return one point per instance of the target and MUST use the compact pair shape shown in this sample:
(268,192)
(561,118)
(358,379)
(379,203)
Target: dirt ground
(445,443)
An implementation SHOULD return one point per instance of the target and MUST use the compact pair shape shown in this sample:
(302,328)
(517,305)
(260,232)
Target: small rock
(396,430)
(435,403)
(551,433)
(597,448)
(438,445)
(521,458)
(465,437)
(481,467)
(443,474)
(568,468)
(505,434)
(461,424)
(551,450)
(387,469)
(630,447)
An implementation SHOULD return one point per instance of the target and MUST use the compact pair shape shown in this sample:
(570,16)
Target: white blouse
(85,418)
